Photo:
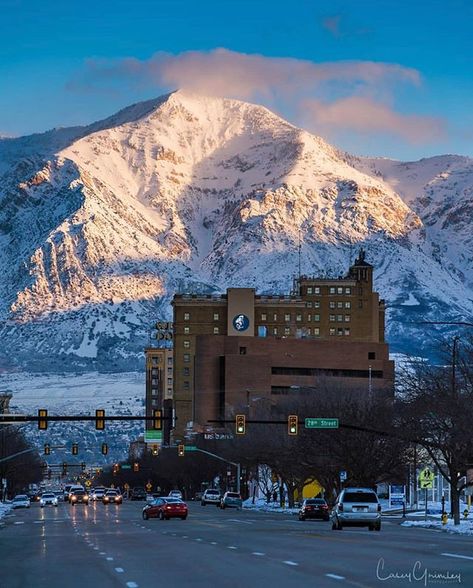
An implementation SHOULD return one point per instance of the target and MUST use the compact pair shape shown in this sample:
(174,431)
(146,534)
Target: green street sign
(126,466)
(153,436)
(191,448)
(321,423)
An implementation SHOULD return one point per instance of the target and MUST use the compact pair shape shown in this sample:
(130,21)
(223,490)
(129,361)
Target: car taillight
(340,507)
(379,508)
(168,508)
(324,506)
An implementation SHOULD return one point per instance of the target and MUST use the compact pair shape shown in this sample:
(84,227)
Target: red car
(166,508)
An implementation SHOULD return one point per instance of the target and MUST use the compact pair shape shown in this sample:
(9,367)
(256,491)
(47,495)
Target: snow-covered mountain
(101,225)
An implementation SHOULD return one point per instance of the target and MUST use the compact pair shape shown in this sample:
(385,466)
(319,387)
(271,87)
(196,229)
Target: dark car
(79,497)
(138,494)
(314,508)
(166,508)
(112,497)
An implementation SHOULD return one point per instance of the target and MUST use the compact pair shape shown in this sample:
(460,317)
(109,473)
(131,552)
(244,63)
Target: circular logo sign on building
(241,322)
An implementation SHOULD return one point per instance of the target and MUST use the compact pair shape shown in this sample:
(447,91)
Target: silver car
(356,507)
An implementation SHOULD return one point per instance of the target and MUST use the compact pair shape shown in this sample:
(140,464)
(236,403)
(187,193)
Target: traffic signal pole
(237,465)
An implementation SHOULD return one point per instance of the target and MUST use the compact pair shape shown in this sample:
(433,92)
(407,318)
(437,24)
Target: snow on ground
(464,528)
(4,509)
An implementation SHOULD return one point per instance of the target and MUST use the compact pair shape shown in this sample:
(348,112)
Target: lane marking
(19,523)
(198,539)
(109,558)
(290,563)
(457,555)
(102,553)
(119,570)
(335,576)
(231,547)
(132,585)
(257,553)
(185,537)
(213,543)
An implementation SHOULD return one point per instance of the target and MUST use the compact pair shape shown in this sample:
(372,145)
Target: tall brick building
(230,348)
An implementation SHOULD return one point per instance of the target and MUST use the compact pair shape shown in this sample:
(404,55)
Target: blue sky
(373,77)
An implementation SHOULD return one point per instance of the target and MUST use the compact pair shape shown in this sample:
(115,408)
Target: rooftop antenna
(299,254)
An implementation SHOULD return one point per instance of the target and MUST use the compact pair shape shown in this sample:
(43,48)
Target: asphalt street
(112,547)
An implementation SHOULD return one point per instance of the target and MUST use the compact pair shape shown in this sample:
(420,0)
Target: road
(112,547)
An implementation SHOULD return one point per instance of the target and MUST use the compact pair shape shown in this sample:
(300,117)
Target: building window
(331,304)
(309,317)
(154,381)
(275,331)
(187,358)
(316,290)
(360,291)
(339,304)
(347,318)
(317,304)
(186,385)
(275,317)
(339,290)
(332,331)
(308,304)
(187,316)
(360,303)
(186,371)
(332,318)
(309,289)
(169,360)
(169,381)
(169,391)
(262,330)
(155,360)
(347,332)
(371,355)
(154,372)
(186,330)
(298,317)
(347,304)
(317,318)
(316,331)
(169,371)
(287,317)
(263,316)
(340,318)
(215,330)
(216,316)
(348,291)
(242,350)
(308,331)
(287,331)
(187,344)
(332,290)
(339,332)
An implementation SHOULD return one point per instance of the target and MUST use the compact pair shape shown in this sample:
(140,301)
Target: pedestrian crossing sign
(426,478)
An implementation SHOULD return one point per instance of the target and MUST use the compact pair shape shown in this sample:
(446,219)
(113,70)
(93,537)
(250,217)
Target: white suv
(211,497)
(357,507)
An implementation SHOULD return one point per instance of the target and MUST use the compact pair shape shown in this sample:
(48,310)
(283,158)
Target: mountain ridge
(186,192)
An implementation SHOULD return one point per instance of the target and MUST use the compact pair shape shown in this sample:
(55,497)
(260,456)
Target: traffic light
(104,449)
(82,466)
(180,450)
(64,468)
(292,423)
(99,420)
(154,449)
(42,419)
(47,449)
(157,422)
(240,424)
(75,449)
(116,468)
(136,467)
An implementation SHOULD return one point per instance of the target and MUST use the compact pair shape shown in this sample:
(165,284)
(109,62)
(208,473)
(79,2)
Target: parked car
(314,508)
(231,500)
(48,498)
(21,501)
(175,494)
(211,496)
(78,496)
(138,493)
(112,497)
(356,507)
(166,508)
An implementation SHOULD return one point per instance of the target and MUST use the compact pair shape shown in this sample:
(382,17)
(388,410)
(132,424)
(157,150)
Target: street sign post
(318,423)
(343,476)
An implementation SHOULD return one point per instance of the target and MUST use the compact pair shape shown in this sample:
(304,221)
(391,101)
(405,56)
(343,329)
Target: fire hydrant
(465,513)
(444,518)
